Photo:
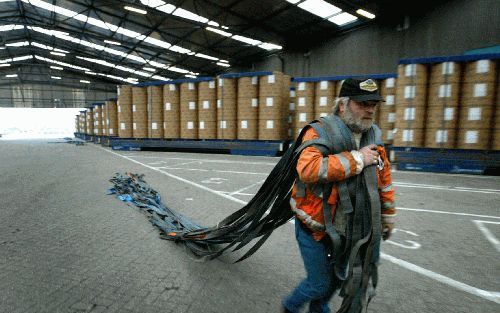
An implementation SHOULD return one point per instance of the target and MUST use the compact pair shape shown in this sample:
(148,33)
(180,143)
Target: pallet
(456,161)
(237,147)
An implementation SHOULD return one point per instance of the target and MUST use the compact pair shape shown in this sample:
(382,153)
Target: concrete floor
(66,246)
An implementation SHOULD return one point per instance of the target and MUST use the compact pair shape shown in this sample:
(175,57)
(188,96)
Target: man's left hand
(387,229)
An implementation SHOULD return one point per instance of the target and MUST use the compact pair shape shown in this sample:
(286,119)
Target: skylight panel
(90,73)
(84,81)
(149,69)
(26,57)
(5,28)
(153,3)
(157,64)
(4,65)
(320,8)
(244,39)
(212,23)
(365,14)
(179,49)
(218,31)
(167,8)
(11,75)
(17,44)
(293,1)
(190,76)
(57,68)
(223,64)
(343,18)
(190,15)
(60,54)
(161,77)
(178,70)
(157,42)
(55,77)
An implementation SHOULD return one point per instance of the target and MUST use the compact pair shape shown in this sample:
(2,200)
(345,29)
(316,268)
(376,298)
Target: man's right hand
(370,155)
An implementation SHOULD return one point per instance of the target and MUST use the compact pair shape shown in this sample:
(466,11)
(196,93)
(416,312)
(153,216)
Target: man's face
(359,116)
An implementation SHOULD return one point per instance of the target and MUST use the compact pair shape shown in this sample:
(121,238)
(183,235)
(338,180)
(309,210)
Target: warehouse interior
(208,99)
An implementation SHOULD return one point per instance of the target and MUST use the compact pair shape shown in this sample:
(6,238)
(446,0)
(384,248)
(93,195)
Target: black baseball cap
(360,90)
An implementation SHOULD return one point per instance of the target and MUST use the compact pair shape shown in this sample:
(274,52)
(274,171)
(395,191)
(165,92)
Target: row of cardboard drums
(253,108)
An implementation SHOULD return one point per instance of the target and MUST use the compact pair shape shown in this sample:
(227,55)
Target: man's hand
(387,229)
(370,155)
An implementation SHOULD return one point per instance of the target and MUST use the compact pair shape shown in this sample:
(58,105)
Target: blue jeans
(318,287)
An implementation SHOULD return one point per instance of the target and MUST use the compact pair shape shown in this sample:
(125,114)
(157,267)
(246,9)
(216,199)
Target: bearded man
(344,203)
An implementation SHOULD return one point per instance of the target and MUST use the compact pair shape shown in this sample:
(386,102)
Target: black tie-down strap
(266,211)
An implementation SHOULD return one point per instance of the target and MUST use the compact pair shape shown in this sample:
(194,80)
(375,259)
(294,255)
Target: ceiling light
(136,10)
(224,61)
(270,46)
(201,55)
(223,64)
(218,31)
(26,57)
(11,75)
(244,39)
(90,73)
(116,43)
(293,1)
(365,14)
(58,53)
(57,68)
(161,77)
(4,65)
(343,18)
(55,77)
(320,8)
(189,15)
(190,76)
(149,69)
(85,81)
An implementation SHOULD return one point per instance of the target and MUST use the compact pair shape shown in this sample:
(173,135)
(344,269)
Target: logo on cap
(368,85)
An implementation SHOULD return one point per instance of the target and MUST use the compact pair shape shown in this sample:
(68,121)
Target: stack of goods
(387,109)
(124,111)
(304,105)
(104,115)
(83,122)
(323,98)
(98,119)
(478,104)
(77,123)
(90,121)
(248,108)
(291,114)
(411,95)
(111,118)
(139,112)
(171,111)
(207,110)
(155,111)
(274,95)
(442,105)
(188,111)
(226,108)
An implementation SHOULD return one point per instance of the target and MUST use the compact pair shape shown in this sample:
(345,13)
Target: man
(343,201)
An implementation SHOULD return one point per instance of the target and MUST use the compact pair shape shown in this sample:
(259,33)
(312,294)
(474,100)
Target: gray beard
(357,125)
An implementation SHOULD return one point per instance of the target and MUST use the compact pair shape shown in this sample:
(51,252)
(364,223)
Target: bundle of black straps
(266,211)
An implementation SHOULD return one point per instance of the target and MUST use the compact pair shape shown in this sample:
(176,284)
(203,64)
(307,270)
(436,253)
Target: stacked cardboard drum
(273,106)
(478,103)
(111,118)
(304,105)
(248,108)
(104,115)
(155,111)
(226,108)
(323,98)
(442,105)
(188,111)
(124,109)
(171,111)
(77,123)
(83,122)
(139,112)
(207,110)
(387,110)
(90,121)
(291,113)
(98,120)
(411,93)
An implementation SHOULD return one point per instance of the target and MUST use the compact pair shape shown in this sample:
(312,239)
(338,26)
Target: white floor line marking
(179,164)
(245,188)
(211,170)
(178,178)
(445,212)
(446,188)
(487,233)
(488,295)
(203,160)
